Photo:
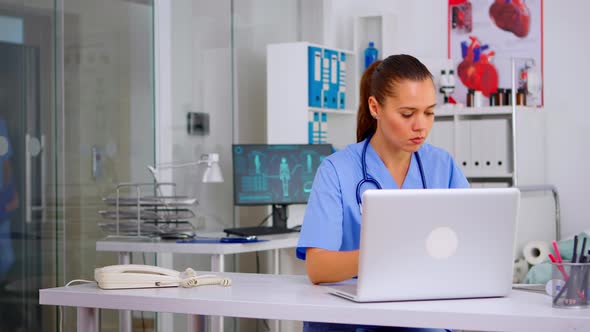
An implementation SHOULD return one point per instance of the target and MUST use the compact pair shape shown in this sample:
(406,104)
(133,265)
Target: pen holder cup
(569,284)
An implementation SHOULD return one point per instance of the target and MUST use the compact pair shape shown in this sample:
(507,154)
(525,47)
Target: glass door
(105,128)
(76,119)
(27,238)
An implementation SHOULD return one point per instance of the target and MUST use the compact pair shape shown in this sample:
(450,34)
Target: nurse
(394,119)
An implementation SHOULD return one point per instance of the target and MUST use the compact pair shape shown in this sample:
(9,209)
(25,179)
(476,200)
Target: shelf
(332,111)
(350,52)
(489,110)
(489,176)
(446,111)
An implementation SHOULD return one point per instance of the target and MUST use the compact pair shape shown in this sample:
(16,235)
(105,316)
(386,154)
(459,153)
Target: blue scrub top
(332,217)
(8,154)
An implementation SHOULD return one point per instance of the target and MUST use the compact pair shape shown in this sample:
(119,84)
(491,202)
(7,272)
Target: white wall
(198,53)
(201,82)
(421,27)
(421,30)
(565,70)
(141,90)
(257,23)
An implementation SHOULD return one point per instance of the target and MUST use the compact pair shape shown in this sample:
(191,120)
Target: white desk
(216,250)
(285,297)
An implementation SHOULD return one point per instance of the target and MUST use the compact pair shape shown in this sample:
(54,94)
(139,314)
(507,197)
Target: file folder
(313,128)
(463,157)
(442,135)
(342,82)
(330,77)
(324,129)
(480,148)
(315,76)
(500,132)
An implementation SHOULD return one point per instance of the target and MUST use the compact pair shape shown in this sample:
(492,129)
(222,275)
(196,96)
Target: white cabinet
(291,71)
(288,101)
(483,143)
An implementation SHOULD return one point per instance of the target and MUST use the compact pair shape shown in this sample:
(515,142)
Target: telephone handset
(147,276)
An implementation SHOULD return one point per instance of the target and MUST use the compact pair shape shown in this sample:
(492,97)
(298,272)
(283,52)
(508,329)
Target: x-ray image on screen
(275,174)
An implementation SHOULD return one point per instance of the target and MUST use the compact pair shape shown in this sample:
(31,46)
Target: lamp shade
(212,173)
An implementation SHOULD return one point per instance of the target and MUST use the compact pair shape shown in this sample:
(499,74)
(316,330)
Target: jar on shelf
(501,97)
(494,99)
(508,96)
(470,97)
(521,97)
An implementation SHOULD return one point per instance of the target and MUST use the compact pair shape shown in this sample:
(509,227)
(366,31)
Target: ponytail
(365,123)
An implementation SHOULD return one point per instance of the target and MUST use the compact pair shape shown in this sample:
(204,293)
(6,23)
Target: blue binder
(323,139)
(313,131)
(315,76)
(342,82)
(330,79)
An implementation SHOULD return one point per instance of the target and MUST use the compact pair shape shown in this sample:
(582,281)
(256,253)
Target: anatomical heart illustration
(511,15)
(475,70)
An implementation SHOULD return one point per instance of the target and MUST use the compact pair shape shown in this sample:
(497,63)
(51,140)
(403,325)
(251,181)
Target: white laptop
(435,244)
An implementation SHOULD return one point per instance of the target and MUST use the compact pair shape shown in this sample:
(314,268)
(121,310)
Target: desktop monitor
(276,175)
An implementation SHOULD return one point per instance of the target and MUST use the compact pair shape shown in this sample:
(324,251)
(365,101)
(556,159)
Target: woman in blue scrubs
(395,116)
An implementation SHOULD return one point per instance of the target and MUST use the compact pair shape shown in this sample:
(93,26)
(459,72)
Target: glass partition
(105,124)
(77,118)
(28,234)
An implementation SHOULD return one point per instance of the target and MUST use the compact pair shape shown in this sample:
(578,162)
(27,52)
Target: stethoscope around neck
(367,179)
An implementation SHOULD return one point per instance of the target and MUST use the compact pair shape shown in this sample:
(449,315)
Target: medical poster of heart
(483,37)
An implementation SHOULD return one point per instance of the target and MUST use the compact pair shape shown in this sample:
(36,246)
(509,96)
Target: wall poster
(484,35)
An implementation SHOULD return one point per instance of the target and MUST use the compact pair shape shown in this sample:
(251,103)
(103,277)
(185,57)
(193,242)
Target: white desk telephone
(147,276)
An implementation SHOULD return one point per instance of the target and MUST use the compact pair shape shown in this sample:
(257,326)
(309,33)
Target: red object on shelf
(511,15)
(476,72)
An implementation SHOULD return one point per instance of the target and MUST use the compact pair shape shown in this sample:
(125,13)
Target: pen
(559,266)
(556,298)
(586,272)
(566,286)
(557,254)
(582,256)
(575,252)
(574,278)
(247,239)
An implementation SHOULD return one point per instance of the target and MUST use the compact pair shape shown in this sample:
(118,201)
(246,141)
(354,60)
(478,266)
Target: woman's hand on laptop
(325,266)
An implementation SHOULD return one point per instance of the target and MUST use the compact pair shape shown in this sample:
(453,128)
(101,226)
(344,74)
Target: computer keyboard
(257,230)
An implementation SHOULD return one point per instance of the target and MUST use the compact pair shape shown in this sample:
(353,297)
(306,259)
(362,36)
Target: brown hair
(379,80)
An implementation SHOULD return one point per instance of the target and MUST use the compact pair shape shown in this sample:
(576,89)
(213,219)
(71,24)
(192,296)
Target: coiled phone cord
(189,278)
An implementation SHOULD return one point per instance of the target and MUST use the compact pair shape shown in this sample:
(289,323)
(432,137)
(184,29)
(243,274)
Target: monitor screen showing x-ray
(275,174)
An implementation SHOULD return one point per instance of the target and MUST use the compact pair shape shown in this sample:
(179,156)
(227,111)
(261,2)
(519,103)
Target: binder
(441,136)
(463,157)
(323,139)
(330,78)
(342,82)
(500,129)
(480,147)
(489,139)
(315,76)
(313,134)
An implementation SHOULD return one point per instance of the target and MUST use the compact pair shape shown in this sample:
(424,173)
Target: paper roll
(535,252)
